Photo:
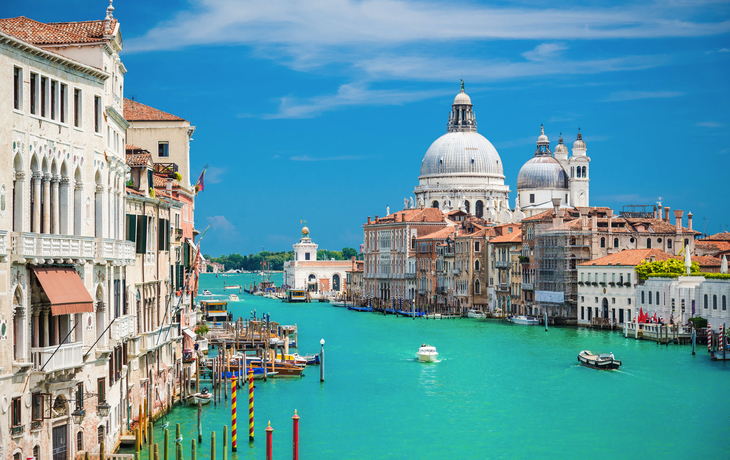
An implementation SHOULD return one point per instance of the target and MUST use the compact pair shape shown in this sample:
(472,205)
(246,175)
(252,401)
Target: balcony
(44,248)
(3,245)
(421,292)
(528,286)
(152,340)
(502,263)
(503,287)
(110,249)
(68,356)
(123,327)
(441,290)
(457,271)
(409,275)
(178,233)
(190,319)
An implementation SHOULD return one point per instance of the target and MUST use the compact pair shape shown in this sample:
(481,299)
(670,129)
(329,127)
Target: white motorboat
(598,361)
(526,320)
(427,354)
(203,397)
(207,292)
(476,314)
(235,286)
(233,297)
(336,303)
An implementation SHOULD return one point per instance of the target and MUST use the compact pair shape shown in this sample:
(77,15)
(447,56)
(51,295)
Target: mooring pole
(200,424)
(295,422)
(250,403)
(321,361)
(694,338)
(234,444)
(269,433)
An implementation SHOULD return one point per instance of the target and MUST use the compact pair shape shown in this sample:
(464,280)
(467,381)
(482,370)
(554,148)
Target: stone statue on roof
(462,86)
(411,202)
(405,203)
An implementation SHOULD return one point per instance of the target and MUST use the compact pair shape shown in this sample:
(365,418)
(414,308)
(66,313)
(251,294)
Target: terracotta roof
(132,147)
(159,181)
(703,261)
(134,192)
(134,111)
(138,159)
(514,237)
(412,215)
(39,33)
(629,257)
(724,236)
(712,247)
(440,234)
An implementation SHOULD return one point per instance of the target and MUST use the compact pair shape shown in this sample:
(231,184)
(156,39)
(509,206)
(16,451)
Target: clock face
(582,194)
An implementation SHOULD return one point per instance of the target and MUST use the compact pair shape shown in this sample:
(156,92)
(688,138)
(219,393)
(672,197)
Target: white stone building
(546,177)
(306,272)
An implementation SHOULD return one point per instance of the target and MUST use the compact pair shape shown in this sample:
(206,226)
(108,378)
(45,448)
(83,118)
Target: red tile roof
(629,257)
(514,237)
(132,147)
(411,215)
(441,234)
(724,236)
(134,111)
(138,159)
(134,192)
(57,33)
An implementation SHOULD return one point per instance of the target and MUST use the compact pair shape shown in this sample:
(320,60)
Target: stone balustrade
(69,355)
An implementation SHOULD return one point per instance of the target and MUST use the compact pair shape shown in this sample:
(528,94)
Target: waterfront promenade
(500,391)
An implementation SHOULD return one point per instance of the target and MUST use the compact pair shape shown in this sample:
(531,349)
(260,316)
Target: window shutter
(131,227)
(140,235)
(160,234)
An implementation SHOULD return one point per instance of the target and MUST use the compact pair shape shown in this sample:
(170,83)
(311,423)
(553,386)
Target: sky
(321,110)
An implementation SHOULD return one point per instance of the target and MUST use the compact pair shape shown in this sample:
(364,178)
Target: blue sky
(323,109)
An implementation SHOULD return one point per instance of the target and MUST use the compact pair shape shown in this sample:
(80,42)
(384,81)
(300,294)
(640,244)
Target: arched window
(479,208)
(476,265)
(335,282)
(477,287)
(603,242)
(441,165)
(584,172)
(657,297)
(79,441)
(649,297)
(98,207)
(615,242)
(78,201)
(37,452)
(669,244)
(435,204)
(714,302)
(642,297)
(17,456)
(467,206)
(648,243)
(705,300)
(686,242)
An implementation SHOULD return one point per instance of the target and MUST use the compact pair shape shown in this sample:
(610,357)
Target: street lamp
(321,361)
(78,415)
(103,409)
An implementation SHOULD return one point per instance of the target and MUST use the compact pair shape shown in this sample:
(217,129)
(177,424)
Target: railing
(457,271)
(528,286)
(3,243)
(421,292)
(154,339)
(191,319)
(122,327)
(174,331)
(67,246)
(17,430)
(202,344)
(68,355)
(503,287)
(502,263)
(409,275)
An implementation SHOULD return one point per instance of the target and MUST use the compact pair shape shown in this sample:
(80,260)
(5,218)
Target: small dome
(543,139)
(579,144)
(305,231)
(542,172)
(462,98)
(561,149)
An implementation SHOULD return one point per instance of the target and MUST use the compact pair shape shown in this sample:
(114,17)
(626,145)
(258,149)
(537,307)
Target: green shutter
(131,227)
(160,234)
(142,235)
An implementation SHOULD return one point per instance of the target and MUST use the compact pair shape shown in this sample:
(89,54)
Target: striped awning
(65,290)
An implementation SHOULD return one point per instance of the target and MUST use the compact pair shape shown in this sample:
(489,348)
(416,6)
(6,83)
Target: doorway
(605,307)
(59,442)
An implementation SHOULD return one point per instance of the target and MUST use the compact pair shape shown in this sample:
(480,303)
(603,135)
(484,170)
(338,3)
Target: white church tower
(579,178)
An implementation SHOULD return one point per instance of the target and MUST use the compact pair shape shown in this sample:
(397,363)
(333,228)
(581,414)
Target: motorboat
(427,354)
(526,320)
(204,397)
(336,303)
(207,292)
(294,358)
(235,286)
(476,314)
(233,297)
(598,361)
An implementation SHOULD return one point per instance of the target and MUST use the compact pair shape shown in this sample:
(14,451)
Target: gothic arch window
(603,241)
(648,243)
(100,433)
(584,172)
(615,242)
(477,287)
(467,206)
(435,204)
(686,242)
(479,208)
(649,297)
(335,282)
(724,302)
(476,265)
(37,452)
(79,441)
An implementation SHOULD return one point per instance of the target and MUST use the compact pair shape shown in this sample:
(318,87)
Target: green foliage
(178,176)
(671,266)
(715,276)
(274,260)
(201,329)
(699,322)
(152,192)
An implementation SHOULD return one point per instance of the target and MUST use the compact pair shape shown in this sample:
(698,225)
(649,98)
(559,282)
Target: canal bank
(499,390)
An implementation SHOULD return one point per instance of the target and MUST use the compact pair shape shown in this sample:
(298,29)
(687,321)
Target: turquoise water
(499,391)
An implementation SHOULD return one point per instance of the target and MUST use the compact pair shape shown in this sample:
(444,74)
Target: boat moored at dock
(476,314)
(525,320)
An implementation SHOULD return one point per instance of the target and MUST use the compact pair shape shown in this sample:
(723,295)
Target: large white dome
(461,153)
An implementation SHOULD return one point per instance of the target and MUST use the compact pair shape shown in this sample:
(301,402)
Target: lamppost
(321,360)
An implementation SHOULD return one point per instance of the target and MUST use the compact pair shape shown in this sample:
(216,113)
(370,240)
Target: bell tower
(579,173)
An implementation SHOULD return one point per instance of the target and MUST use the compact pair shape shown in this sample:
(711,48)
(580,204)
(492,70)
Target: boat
(476,314)
(233,297)
(356,308)
(293,358)
(235,286)
(598,361)
(427,354)
(207,292)
(204,397)
(526,320)
(336,303)
(216,311)
(411,313)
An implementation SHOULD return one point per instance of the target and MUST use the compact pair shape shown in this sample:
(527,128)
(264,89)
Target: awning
(189,333)
(65,290)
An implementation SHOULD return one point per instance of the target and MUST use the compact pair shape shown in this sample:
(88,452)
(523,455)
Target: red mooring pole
(296,435)
(269,432)
(250,404)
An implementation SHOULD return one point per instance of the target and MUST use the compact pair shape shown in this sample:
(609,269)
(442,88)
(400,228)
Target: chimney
(689,221)
(609,213)
(369,219)
(666,213)
(395,217)
(678,219)
(402,217)
(376,218)
(659,214)
(655,212)
(556,205)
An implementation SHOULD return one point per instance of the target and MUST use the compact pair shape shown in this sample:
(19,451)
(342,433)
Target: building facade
(306,272)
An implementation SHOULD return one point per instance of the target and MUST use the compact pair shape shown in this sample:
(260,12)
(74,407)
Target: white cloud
(710,124)
(634,95)
(352,94)
(544,51)
(724,50)
(213,175)
(336,158)
(220,223)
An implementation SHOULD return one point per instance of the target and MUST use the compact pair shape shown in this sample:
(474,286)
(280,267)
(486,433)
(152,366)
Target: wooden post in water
(212,445)
(102,450)
(225,442)
(166,446)
(250,403)
(150,439)
(156,453)
(193,451)
(694,337)
(233,414)
(137,439)
(200,425)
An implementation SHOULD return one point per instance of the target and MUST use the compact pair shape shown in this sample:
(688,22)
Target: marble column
(18,219)
(56,206)
(56,332)
(45,328)
(36,330)
(47,203)
(64,206)
(36,202)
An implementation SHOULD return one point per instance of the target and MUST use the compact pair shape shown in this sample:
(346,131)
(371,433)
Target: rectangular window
(34,93)
(97,114)
(37,407)
(163,149)
(16,411)
(101,389)
(17,88)
(77,107)
(80,396)
(306,256)
(62,102)
(628,278)
(44,83)
(532,198)
(131,228)
(54,98)
(582,312)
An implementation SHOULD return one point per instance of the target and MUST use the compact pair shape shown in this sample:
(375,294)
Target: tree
(669,266)
(348,253)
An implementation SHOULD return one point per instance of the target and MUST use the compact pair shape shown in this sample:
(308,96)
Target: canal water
(499,391)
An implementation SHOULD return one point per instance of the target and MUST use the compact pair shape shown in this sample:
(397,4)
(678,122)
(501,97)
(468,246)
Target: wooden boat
(411,313)
(598,361)
(336,303)
(204,397)
(356,308)
(285,370)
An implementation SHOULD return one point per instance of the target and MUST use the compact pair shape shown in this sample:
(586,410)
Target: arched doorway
(336,282)
(312,283)
(605,307)
(435,204)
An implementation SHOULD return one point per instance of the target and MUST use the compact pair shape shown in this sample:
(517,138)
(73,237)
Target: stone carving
(411,202)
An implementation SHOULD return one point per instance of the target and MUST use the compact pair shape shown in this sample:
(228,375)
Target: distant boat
(356,308)
(600,361)
(427,354)
(235,286)
(233,297)
(207,292)
(526,320)
(335,303)
(204,397)
(476,314)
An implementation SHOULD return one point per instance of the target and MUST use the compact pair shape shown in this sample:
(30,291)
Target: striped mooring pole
(250,404)
(234,444)
(709,338)
(720,342)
